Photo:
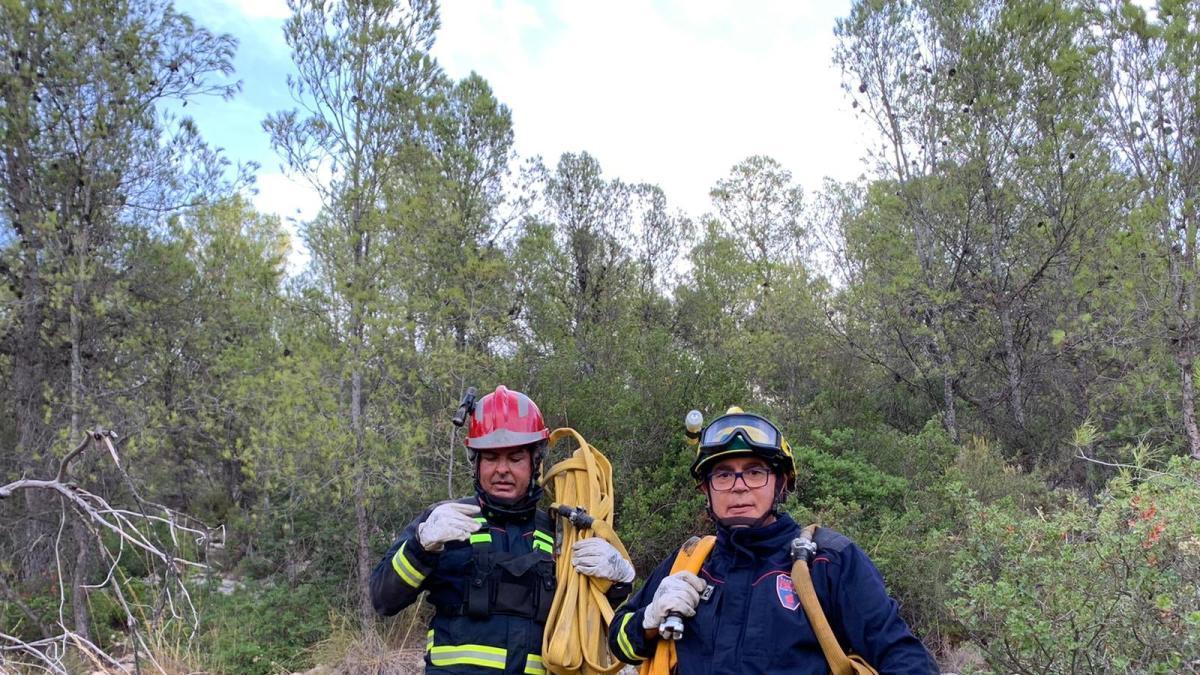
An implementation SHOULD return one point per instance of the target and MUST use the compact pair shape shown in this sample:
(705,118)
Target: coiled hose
(576,637)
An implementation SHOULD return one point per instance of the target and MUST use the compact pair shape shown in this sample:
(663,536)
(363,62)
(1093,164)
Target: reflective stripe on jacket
(459,643)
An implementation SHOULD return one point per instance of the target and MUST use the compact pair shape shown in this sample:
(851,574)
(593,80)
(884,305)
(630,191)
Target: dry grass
(398,649)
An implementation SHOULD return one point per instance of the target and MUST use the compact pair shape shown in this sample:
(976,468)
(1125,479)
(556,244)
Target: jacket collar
(759,542)
(497,511)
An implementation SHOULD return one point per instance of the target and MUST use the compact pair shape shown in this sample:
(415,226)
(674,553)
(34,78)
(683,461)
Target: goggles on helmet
(754,431)
(740,433)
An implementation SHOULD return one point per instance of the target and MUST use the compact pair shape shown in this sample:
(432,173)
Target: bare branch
(132,528)
(64,465)
(1117,465)
(35,650)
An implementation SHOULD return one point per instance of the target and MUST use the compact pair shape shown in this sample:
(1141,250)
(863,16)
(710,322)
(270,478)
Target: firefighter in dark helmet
(741,612)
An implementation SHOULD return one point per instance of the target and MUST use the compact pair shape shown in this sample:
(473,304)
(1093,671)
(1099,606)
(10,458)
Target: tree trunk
(361,526)
(79,576)
(362,530)
(27,392)
(29,371)
(1012,363)
(450,462)
(950,416)
(1002,302)
(1183,271)
(1188,403)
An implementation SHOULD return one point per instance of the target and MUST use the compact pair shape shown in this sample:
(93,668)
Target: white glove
(449,522)
(596,557)
(677,594)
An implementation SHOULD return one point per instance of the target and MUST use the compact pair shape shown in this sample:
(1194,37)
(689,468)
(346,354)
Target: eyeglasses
(753,478)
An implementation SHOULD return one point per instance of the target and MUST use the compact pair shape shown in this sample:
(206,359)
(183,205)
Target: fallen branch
(131,528)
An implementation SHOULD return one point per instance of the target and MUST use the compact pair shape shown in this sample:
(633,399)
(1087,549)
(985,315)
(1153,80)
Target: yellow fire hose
(576,637)
(689,559)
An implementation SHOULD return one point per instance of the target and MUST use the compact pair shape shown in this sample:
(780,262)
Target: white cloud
(257,24)
(674,93)
(295,202)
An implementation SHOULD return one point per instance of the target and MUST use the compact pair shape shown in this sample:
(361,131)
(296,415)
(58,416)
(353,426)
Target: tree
(882,49)
(364,74)
(1152,70)
(462,210)
(89,156)
(587,268)
(995,156)
(202,339)
(761,208)
(1025,154)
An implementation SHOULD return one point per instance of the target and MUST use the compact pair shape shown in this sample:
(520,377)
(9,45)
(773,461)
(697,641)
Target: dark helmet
(738,433)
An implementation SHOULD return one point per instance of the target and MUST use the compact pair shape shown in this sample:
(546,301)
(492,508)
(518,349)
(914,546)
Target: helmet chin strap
(521,507)
(504,509)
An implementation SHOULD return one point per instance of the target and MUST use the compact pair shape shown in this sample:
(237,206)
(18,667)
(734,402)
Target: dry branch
(133,528)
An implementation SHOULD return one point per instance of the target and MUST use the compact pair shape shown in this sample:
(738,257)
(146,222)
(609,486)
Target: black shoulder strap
(830,539)
(543,532)
(479,590)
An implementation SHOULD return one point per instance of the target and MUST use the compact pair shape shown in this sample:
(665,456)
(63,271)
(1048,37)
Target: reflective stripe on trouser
(533,665)
(467,655)
(478,655)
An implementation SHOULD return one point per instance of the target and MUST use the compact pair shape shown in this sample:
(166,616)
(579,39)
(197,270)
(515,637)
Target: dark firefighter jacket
(752,621)
(491,594)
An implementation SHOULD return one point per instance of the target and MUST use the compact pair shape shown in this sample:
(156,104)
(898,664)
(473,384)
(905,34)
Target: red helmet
(504,419)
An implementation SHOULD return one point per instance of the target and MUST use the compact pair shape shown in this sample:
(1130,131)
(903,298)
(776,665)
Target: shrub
(263,629)
(911,529)
(823,480)
(917,458)
(655,518)
(1106,588)
(981,470)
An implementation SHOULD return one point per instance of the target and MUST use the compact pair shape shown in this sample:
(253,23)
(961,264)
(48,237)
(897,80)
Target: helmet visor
(754,430)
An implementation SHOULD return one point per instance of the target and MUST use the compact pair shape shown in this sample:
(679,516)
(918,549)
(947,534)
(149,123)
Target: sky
(670,92)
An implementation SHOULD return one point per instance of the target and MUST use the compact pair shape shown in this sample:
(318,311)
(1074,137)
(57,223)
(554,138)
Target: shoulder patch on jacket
(786,591)
(831,539)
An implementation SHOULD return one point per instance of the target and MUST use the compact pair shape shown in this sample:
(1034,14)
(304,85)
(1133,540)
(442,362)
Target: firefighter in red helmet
(487,560)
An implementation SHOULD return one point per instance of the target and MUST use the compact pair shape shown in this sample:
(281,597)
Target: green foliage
(916,457)
(108,618)
(42,605)
(655,521)
(912,535)
(823,479)
(1108,588)
(262,629)
(980,468)
(946,342)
